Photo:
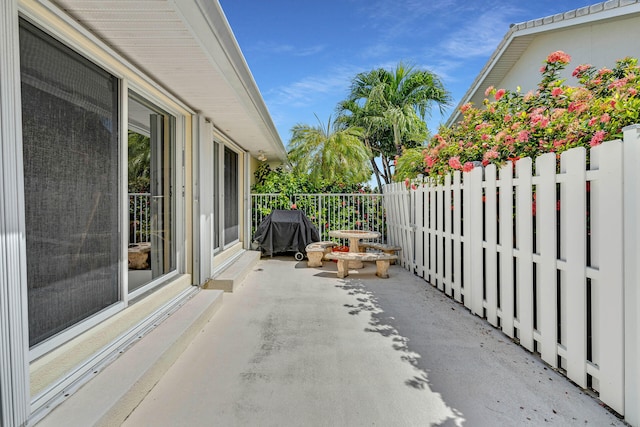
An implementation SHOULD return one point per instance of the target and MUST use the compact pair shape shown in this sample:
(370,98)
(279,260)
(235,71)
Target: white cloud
(335,82)
(479,36)
(283,49)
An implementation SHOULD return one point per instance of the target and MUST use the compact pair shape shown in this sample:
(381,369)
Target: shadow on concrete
(477,370)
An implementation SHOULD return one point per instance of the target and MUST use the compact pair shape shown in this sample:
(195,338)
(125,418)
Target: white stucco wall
(599,44)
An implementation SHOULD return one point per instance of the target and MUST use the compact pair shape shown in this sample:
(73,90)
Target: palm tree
(333,153)
(139,162)
(351,114)
(394,104)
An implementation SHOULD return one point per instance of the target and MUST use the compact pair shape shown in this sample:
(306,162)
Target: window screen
(70,122)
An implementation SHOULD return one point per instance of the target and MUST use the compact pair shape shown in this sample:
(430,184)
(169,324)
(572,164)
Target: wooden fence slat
(433,271)
(457,233)
(447,234)
(473,202)
(631,274)
(524,241)
(545,206)
(607,242)
(439,233)
(418,208)
(573,243)
(491,249)
(506,250)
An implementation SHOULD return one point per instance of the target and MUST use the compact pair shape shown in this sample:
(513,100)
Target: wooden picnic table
(354,237)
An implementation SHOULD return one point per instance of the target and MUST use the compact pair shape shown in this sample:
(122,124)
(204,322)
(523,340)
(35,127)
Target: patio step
(231,277)
(114,392)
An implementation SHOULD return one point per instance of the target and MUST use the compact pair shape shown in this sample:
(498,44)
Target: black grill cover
(285,231)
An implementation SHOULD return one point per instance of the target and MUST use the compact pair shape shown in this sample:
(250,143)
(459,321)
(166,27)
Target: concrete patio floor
(295,346)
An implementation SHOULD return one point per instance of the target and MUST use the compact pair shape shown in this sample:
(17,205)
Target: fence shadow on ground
(478,371)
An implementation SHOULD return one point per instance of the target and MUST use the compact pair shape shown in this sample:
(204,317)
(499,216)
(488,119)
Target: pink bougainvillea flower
(499,94)
(407,181)
(605,118)
(523,136)
(559,143)
(491,154)
(592,121)
(414,187)
(507,118)
(580,69)
(597,138)
(430,161)
(465,107)
(454,162)
(556,92)
(488,91)
(632,91)
(294,206)
(468,167)
(618,83)
(558,57)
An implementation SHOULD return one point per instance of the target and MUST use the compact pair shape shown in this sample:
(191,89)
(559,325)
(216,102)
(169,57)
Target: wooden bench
(382,261)
(316,251)
(386,248)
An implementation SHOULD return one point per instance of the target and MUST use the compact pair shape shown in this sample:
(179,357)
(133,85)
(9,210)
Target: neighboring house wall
(600,44)
(598,35)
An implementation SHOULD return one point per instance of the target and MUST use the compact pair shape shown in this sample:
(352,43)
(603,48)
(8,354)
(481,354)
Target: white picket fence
(547,252)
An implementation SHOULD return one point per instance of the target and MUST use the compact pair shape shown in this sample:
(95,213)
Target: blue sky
(303,54)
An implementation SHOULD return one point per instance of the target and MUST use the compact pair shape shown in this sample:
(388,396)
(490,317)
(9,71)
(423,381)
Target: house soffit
(188,48)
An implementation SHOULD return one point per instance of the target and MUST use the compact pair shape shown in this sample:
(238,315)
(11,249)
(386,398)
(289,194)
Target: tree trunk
(376,171)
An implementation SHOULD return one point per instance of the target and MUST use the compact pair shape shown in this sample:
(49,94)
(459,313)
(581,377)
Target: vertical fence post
(447,235)
(439,226)
(506,250)
(419,231)
(631,273)
(607,256)
(524,241)
(457,238)
(473,283)
(546,217)
(491,249)
(433,240)
(573,241)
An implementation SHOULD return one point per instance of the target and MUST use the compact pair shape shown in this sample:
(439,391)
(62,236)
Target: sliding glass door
(70,152)
(151,205)
(226,197)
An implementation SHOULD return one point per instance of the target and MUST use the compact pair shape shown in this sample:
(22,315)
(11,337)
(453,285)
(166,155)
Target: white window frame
(220,195)
(14,342)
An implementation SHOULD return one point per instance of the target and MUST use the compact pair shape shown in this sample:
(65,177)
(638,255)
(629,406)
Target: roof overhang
(188,48)
(520,36)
